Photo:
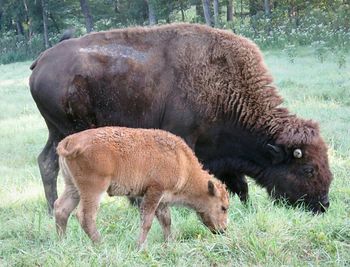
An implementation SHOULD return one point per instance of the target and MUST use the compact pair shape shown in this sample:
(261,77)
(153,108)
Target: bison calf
(154,164)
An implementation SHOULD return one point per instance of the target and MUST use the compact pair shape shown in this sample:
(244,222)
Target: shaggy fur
(209,86)
(153,164)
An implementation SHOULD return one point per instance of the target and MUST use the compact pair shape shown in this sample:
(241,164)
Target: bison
(209,86)
(153,164)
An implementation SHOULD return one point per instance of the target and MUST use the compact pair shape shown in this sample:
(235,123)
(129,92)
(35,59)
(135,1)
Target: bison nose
(322,205)
(325,202)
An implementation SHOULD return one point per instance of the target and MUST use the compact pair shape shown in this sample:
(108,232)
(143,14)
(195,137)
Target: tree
(199,10)
(45,23)
(216,13)
(267,7)
(88,18)
(27,19)
(206,9)
(151,13)
(229,10)
(253,7)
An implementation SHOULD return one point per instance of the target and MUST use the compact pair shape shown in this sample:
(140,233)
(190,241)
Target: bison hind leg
(48,165)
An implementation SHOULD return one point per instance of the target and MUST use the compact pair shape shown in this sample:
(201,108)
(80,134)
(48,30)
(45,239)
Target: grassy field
(258,234)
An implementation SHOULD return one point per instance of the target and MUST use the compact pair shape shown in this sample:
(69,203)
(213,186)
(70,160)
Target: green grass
(258,234)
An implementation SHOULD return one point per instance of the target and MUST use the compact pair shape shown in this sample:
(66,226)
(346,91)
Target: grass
(259,234)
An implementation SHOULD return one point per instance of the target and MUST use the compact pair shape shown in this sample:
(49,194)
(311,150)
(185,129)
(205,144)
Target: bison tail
(67,150)
(35,62)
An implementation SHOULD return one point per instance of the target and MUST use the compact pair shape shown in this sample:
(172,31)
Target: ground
(258,234)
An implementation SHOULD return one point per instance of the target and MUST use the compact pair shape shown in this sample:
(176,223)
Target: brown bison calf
(154,164)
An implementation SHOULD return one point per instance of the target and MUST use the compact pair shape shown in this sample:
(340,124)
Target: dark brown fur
(209,86)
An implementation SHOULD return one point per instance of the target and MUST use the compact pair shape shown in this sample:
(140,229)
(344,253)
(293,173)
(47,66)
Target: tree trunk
(206,9)
(199,11)
(169,8)
(216,13)
(182,12)
(253,7)
(241,9)
(45,23)
(267,8)
(55,24)
(88,18)
(229,10)
(19,27)
(151,13)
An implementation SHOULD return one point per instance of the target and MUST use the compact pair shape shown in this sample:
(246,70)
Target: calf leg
(91,190)
(48,165)
(148,208)
(164,218)
(64,206)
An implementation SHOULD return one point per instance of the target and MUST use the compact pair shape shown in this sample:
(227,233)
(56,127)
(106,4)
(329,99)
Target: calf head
(215,207)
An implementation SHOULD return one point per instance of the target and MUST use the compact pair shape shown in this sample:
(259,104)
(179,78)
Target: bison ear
(211,188)
(276,153)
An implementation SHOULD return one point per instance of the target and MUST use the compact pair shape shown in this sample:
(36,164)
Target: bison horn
(276,149)
(297,153)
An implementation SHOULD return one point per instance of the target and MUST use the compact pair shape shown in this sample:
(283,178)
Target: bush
(16,48)
(325,30)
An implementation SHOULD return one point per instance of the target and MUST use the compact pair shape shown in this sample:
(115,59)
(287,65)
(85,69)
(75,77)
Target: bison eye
(224,209)
(309,171)
(297,153)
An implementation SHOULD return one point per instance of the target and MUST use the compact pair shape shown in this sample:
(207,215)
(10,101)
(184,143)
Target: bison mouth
(317,205)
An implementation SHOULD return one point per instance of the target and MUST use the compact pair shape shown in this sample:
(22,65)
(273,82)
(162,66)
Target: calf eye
(223,209)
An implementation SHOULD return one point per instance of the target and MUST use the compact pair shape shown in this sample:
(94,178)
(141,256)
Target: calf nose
(219,231)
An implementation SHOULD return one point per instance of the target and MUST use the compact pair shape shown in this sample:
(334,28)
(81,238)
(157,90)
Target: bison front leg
(48,165)
(148,208)
(164,218)
(237,184)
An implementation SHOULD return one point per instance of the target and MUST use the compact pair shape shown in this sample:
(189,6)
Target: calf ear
(276,153)
(211,188)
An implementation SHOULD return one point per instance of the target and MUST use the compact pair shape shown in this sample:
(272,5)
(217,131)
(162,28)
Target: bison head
(299,171)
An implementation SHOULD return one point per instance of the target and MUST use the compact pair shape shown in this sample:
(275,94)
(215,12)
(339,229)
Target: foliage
(323,25)
(259,234)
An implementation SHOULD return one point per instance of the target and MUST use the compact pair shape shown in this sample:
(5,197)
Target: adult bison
(208,86)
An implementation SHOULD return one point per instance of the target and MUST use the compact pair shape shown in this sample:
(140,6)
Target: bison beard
(208,86)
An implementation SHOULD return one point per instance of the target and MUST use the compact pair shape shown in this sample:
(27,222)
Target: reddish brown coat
(154,164)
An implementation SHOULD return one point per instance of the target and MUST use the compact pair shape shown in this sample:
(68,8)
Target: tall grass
(260,233)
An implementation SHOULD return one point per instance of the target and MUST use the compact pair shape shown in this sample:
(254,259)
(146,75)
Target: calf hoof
(141,246)
(96,238)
